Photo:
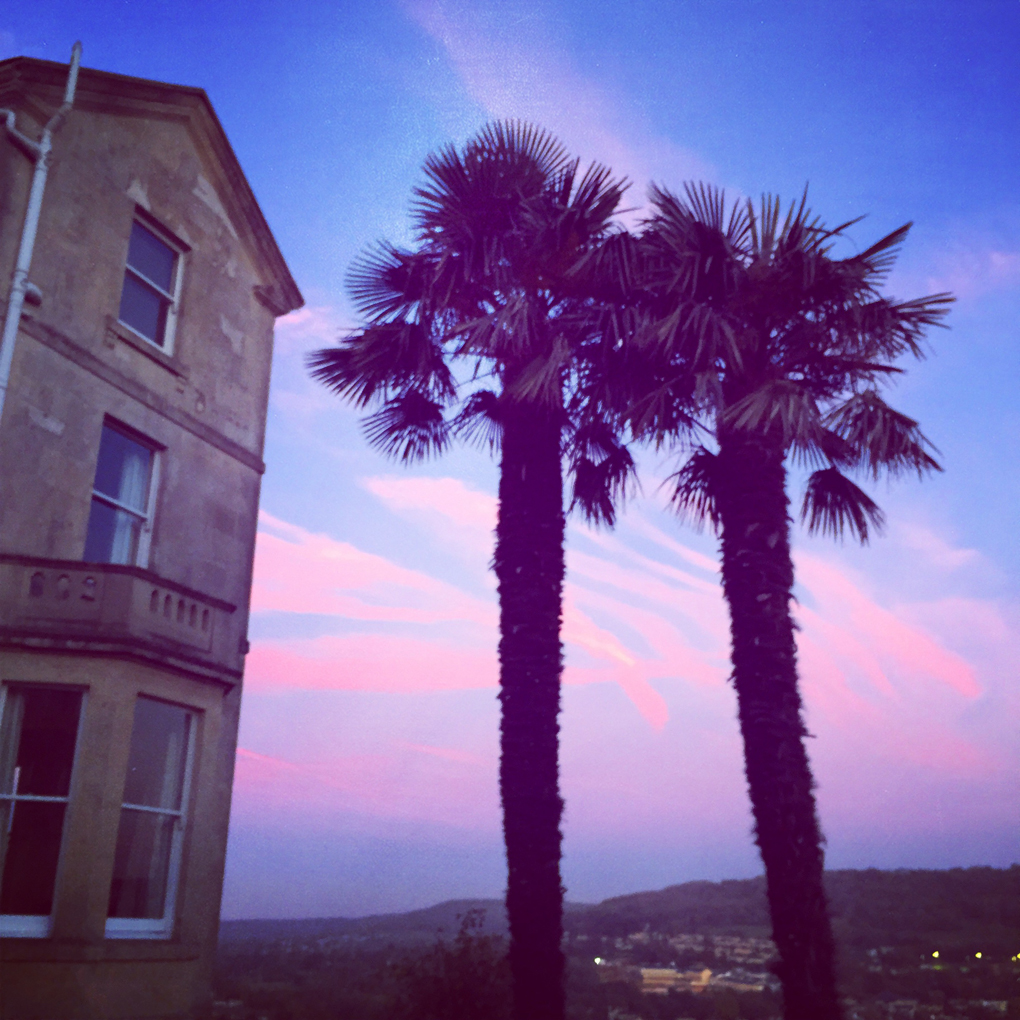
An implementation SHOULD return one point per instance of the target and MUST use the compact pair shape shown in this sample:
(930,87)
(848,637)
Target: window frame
(37,926)
(163,927)
(147,519)
(172,297)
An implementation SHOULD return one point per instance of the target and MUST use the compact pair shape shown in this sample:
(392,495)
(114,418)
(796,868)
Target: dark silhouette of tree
(772,351)
(502,283)
(463,980)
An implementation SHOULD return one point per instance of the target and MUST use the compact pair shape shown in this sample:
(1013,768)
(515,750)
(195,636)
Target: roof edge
(105,88)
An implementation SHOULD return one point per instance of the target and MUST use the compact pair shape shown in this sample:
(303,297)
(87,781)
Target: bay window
(147,859)
(38,738)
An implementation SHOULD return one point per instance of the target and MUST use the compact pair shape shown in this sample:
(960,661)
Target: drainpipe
(40,153)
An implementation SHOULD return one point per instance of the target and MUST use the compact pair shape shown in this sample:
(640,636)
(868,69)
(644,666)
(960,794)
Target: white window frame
(39,926)
(172,296)
(162,927)
(147,518)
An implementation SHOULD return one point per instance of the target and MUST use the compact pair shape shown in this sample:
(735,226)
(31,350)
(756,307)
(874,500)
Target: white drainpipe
(41,153)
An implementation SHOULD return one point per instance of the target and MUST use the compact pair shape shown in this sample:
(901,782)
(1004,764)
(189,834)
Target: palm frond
(694,485)
(512,332)
(602,469)
(479,420)
(597,196)
(878,258)
(881,438)
(473,200)
(408,427)
(782,404)
(832,504)
(382,359)
(540,382)
(662,411)
(386,281)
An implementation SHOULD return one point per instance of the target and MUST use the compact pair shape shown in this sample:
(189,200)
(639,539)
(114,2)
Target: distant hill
(443,917)
(869,908)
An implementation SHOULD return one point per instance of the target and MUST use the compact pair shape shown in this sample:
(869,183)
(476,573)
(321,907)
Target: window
(151,278)
(123,494)
(38,736)
(147,860)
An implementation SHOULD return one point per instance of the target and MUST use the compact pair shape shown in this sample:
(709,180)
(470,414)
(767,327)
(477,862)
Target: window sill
(116,330)
(139,934)
(25,926)
(77,950)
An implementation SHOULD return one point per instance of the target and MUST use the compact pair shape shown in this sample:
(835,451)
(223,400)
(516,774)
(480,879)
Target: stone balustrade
(54,603)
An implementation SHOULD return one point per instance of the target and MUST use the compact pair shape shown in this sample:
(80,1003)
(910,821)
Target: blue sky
(366,779)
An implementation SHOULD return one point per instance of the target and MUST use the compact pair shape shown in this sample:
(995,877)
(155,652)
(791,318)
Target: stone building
(131,447)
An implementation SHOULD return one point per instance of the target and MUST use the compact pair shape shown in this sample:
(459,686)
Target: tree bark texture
(757,573)
(529,565)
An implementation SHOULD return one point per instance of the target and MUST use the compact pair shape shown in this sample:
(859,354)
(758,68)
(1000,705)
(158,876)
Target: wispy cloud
(308,328)
(631,618)
(300,572)
(895,691)
(971,271)
(370,662)
(437,789)
(878,633)
(512,68)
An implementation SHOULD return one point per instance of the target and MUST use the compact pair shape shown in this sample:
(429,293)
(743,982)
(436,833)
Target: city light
(977,956)
(936,954)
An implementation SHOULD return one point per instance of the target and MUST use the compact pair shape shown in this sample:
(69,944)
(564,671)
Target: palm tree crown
(765,334)
(497,326)
(762,348)
(502,279)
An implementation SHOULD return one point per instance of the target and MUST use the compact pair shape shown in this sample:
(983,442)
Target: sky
(367,767)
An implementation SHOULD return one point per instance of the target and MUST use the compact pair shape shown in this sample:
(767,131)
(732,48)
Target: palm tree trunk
(529,566)
(757,574)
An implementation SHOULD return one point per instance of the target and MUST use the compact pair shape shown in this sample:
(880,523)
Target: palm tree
(502,284)
(773,351)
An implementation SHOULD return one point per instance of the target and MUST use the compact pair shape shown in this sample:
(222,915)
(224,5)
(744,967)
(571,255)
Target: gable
(37,86)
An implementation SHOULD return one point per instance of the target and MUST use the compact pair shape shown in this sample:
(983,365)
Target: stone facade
(130,460)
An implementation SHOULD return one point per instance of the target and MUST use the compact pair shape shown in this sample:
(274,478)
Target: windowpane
(143,309)
(30,856)
(151,257)
(38,733)
(43,750)
(123,473)
(141,864)
(122,470)
(112,535)
(159,740)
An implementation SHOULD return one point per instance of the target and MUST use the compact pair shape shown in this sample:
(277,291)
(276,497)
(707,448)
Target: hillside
(960,906)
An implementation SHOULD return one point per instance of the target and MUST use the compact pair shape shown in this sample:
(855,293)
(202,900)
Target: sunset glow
(366,780)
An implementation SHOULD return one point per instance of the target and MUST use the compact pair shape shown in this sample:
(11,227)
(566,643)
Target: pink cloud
(934,547)
(463,519)
(970,270)
(648,625)
(307,329)
(440,787)
(841,645)
(369,662)
(908,647)
(300,572)
(448,754)
(450,497)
